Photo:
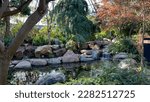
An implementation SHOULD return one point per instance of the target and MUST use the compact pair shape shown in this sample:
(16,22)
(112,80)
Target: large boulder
(54,60)
(128,64)
(84,58)
(51,78)
(23,65)
(70,56)
(60,52)
(43,50)
(38,62)
(120,56)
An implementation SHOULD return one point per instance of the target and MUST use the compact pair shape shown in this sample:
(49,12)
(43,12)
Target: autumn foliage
(121,12)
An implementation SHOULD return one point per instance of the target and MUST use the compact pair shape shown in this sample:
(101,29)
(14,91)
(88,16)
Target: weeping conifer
(70,16)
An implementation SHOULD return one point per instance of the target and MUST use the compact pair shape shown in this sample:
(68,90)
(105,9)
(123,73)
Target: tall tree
(71,17)
(6,53)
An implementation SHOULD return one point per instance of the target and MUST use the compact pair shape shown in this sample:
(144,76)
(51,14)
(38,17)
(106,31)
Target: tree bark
(4,64)
(7,54)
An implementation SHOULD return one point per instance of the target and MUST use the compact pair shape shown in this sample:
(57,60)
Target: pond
(70,70)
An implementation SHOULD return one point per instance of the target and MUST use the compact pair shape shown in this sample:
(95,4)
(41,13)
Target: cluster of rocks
(68,57)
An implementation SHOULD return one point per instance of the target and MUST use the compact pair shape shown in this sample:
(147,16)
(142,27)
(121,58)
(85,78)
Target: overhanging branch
(32,20)
(19,9)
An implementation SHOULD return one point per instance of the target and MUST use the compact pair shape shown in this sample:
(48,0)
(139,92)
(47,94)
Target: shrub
(112,75)
(107,34)
(40,39)
(123,45)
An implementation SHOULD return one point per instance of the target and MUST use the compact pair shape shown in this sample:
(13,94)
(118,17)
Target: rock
(11,66)
(20,53)
(62,45)
(29,51)
(55,47)
(57,42)
(87,52)
(121,55)
(70,56)
(51,78)
(128,64)
(84,58)
(60,52)
(14,62)
(23,64)
(38,62)
(54,60)
(84,46)
(96,54)
(43,50)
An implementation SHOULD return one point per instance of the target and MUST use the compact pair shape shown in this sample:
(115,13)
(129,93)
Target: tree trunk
(4,66)
(7,32)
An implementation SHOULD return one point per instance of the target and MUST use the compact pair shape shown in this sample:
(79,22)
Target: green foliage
(110,34)
(123,45)
(71,18)
(71,45)
(16,28)
(40,39)
(7,40)
(112,75)
(130,28)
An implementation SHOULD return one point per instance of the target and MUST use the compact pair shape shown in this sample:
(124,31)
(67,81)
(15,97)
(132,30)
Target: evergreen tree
(70,16)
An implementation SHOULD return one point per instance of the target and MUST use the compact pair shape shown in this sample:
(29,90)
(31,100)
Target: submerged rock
(51,78)
(23,65)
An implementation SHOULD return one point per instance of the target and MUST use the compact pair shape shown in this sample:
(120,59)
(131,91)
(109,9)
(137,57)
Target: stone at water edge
(84,58)
(38,62)
(70,56)
(87,52)
(96,54)
(54,60)
(23,64)
(51,78)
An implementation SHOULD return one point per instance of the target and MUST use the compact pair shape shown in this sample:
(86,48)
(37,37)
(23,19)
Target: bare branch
(19,9)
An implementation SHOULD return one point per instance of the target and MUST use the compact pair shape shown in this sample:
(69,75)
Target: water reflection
(74,70)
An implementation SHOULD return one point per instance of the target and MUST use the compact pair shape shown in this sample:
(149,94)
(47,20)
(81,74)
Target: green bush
(40,39)
(107,34)
(123,45)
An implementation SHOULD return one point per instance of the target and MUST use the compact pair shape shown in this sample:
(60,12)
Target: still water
(71,70)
